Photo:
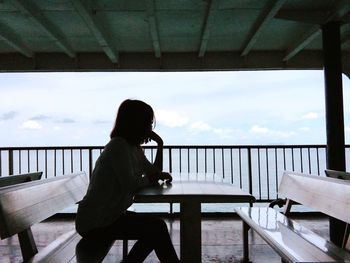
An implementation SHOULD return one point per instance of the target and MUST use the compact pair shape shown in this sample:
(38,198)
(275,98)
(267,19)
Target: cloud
(171,118)
(40,117)
(31,125)
(67,120)
(305,129)
(223,133)
(259,130)
(310,116)
(200,125)
(347,129)
(264,131)
(8,115)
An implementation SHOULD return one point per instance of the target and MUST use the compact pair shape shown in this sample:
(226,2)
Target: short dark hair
(133,121)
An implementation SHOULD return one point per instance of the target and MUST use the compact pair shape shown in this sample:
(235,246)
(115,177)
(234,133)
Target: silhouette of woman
(122,169)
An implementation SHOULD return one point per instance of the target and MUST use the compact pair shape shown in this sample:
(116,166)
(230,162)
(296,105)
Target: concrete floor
(221,239)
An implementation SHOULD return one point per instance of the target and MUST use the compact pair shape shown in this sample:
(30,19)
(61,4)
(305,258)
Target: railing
(256,169)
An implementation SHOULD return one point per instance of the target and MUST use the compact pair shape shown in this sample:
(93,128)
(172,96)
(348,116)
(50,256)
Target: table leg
(246,228)
(190,232)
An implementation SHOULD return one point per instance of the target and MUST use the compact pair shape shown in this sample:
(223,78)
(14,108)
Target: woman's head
(134,121)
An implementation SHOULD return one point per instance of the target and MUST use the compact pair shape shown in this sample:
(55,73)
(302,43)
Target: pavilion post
(334,111)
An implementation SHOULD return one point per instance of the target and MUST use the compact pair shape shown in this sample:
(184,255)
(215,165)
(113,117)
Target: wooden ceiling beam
(339,11)
(303,16)
(95,27)
(267,14)
(305,40)
(30,8)
(136,61)
(10,37)
(345,37)
(212,7)
(153,27)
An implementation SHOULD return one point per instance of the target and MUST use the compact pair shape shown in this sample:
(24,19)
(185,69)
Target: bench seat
(25,204)
(60,250)
(292,241)
(19,178)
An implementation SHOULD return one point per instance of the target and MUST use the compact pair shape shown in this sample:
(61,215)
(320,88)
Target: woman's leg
(154,234)
(150,232)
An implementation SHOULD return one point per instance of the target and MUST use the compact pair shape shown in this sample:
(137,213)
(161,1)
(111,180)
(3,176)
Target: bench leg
(246,228)
(125,248)
(346,236)
(27,244)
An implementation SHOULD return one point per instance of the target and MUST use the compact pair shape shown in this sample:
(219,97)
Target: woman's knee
(159,226)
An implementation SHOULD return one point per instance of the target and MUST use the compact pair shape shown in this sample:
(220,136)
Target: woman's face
(149,129)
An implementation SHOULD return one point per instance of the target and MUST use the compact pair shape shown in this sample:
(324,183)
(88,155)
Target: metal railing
(256,169)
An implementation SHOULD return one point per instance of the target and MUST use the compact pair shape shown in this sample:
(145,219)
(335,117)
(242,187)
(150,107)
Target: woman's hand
(155,137)
(163,176)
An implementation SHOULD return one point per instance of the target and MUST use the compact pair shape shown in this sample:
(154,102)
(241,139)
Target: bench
(291,240)
(19,178)
(344,176)
(23,205)
(337,174)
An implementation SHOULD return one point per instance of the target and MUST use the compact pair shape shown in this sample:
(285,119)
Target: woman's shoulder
(117,143)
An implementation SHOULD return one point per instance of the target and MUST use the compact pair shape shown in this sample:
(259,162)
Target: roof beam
(340,10)
(153,27)
(303,42)
(303,16)
(264,18)
(35,14)
(345,40)
(212,7)
(14,41)
(136,61)
(95,27)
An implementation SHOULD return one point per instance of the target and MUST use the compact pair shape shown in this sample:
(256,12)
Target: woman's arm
(157,173)
(158,161)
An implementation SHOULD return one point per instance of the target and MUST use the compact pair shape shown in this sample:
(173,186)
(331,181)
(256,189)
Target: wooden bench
(23,205)
(337,174)
(344,176)
(292,241)
(19,178)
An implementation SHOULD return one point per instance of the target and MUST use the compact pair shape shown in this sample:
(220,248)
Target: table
(190,194)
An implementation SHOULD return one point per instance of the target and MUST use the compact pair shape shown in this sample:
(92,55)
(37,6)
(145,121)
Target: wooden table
(190,195)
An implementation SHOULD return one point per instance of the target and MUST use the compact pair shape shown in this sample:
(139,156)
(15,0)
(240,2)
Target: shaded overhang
(167,35)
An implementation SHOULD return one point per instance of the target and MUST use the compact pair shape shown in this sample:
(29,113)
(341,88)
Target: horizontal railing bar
(294,146)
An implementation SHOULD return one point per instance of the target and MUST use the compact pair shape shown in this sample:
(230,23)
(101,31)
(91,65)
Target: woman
(119,172)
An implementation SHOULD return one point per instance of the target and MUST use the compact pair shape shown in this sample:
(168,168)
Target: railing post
(90,163)
(250,177)
(10,162)
(170,171)
(170,161)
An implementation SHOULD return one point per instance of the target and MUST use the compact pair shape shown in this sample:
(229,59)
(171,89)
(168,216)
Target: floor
(221,238)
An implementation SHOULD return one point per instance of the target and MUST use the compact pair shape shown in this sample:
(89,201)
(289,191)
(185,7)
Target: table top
(203,191)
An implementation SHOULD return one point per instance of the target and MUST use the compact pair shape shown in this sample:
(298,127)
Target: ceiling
(167,35)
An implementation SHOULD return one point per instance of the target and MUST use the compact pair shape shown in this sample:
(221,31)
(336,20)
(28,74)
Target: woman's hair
(134,120)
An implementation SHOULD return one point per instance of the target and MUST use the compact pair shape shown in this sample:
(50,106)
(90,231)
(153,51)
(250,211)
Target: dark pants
(150,232)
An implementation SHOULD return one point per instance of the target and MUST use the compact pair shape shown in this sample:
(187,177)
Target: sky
(191,108)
